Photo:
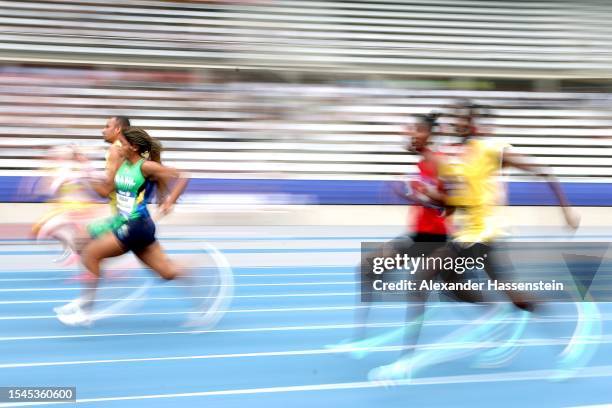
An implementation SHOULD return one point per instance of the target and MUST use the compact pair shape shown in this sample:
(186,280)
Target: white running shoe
(71,307)
(388,374)
(78,318)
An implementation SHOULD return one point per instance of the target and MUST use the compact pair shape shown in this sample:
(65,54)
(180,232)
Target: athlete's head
(115,125)
(140,144)
(421,131)
(465,125)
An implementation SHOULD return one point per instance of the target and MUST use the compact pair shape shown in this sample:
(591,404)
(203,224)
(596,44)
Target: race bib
(125,203)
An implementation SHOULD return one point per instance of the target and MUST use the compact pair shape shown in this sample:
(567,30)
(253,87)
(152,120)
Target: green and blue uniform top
(133,191)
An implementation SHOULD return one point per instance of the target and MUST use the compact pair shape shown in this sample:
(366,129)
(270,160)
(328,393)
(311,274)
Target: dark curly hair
(149,148)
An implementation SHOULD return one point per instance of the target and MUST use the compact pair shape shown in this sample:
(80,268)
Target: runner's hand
(166,207)
(572,218)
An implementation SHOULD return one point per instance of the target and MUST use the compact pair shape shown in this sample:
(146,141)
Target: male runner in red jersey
(430,227)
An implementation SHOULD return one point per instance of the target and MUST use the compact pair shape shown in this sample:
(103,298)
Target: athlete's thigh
(155,258)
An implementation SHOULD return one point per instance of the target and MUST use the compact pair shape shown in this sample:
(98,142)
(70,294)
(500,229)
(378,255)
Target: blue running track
(294,296)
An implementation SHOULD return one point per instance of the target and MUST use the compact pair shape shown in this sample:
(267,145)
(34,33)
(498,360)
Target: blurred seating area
(494,38)
(275,130)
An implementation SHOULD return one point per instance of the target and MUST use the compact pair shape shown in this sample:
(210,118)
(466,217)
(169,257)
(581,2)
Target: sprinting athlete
(132,228)
(473,189)
(428,221)
(67,187)
(112,133)
(71,197)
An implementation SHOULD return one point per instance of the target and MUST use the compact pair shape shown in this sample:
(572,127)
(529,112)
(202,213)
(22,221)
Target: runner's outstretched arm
(520,162)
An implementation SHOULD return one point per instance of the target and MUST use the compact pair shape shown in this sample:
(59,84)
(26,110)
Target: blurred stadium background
(287,112)
(309,96)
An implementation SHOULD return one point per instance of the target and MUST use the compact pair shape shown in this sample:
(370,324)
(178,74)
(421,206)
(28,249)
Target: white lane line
(130,266)
(540,342)
(590,372)
(402,306)
(179,286)
(238,330)
(268,310)
(280,295)
(271,329)
(200,357)
(135,266)
(253,275)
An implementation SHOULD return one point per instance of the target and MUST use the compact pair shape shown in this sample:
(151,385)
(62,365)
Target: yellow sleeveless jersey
(112,197)
(470,179)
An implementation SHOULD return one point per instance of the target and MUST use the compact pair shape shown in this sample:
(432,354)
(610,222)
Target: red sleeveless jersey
(429,219)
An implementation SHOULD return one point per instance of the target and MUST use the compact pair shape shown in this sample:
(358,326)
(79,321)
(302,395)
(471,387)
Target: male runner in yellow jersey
(472,185)
(472,188)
